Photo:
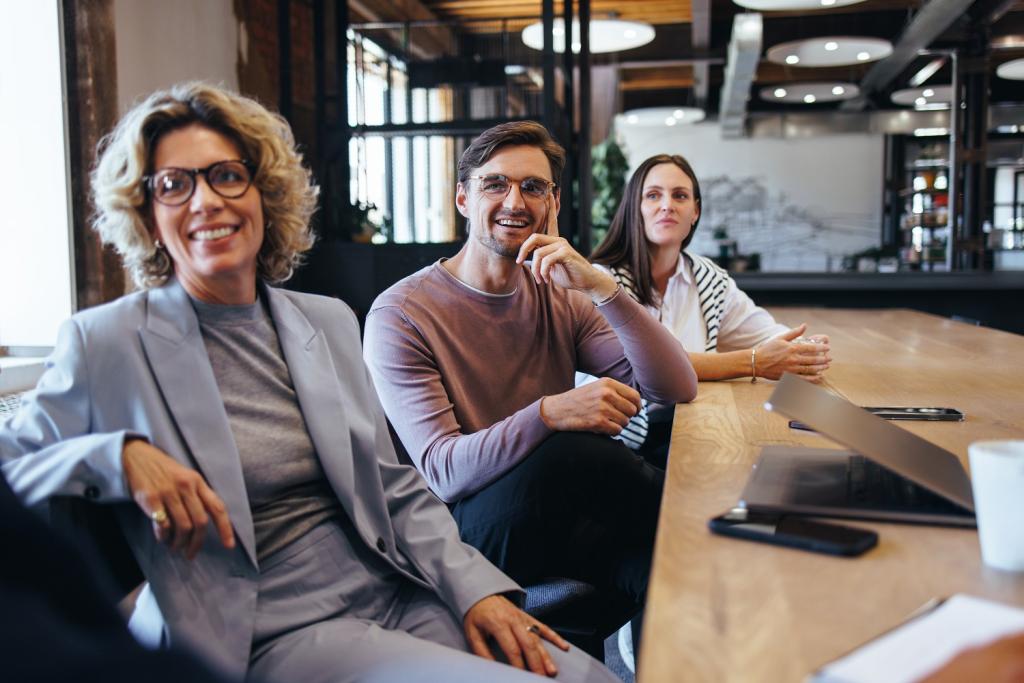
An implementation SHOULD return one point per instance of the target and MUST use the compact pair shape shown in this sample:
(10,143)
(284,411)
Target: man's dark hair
(510,134)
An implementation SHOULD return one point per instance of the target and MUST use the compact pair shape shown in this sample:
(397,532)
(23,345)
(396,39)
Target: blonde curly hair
(123,216)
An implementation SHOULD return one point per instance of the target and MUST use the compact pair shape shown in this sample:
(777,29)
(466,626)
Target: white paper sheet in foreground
(921,645)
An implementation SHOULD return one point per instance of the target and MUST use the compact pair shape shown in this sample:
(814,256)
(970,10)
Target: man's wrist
(602,296)
(543,417)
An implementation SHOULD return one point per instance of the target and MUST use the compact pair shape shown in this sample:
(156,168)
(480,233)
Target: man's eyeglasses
(175,186)
(497,187)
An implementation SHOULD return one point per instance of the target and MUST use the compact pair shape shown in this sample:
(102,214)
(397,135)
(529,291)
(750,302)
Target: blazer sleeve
(426,533)
(47,448)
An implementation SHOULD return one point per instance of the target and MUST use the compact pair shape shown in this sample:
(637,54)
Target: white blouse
(743,324)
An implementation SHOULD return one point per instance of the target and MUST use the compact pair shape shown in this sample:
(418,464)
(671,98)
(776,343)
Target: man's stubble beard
(498,247)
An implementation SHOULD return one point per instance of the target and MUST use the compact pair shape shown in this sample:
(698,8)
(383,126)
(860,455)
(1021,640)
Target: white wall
(162,42)
(35,252)
(802,204)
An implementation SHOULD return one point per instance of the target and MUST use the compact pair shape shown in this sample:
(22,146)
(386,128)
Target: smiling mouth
(208,234)
(512,222)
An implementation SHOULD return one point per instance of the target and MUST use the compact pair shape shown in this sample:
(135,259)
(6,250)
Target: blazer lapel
(320,396)
(177,357)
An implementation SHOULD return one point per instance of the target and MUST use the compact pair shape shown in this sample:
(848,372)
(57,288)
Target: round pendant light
(661,116)
(929,97)
(829,51)
(809,93)
(784,5)
(606,35)
(1013,70)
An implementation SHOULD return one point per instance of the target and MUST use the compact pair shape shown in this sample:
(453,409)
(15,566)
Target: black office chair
(574,609)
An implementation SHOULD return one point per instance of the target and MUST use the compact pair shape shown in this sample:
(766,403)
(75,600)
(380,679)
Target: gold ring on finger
(159,516)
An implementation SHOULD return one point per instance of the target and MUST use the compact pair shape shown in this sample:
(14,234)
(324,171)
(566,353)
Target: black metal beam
(567,218)
(548,60)
(928,24)
(338,133)
(320,106)
(585,173)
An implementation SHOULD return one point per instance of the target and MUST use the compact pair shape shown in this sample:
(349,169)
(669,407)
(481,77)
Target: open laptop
(888,474)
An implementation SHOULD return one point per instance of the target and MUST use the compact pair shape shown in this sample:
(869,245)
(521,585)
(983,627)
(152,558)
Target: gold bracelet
(753,365)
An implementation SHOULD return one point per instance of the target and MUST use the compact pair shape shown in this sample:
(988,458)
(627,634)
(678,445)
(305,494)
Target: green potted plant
(609,168)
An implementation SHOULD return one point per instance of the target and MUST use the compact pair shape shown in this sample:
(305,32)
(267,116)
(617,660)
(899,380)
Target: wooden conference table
(722,609)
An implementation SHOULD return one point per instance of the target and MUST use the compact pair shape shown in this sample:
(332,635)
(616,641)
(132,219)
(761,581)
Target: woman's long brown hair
(625,245)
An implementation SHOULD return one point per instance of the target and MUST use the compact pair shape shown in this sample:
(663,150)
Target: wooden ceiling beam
(424,42)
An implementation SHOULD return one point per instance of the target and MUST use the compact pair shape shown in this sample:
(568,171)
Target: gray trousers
(374,629)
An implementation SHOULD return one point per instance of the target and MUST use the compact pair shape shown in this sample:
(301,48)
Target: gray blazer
(138,366)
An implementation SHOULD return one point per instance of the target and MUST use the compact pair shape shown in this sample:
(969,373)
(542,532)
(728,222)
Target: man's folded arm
(638,350)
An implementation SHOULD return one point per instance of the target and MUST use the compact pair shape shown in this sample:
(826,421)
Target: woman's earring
(158,244)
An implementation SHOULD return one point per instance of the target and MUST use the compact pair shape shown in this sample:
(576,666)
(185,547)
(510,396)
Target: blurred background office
(854,153)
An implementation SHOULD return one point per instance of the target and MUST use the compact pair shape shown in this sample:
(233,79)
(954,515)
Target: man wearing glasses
(474,359)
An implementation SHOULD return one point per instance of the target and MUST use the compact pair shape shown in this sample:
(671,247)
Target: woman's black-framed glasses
(496,186)
(175,186)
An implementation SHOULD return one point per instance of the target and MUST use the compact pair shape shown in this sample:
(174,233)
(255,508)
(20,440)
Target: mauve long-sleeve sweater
(461,373)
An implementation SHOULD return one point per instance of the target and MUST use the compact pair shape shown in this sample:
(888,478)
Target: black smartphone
(906,413)
(794,532)
(911,413)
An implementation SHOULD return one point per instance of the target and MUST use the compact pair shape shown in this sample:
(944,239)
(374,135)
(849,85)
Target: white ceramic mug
(997,478)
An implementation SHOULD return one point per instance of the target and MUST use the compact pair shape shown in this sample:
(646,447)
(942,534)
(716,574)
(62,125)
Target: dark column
(284,56)
(341,181)
(973,65)
(583,139)
(548,20)
(91,91)
(568,215)
(321,164)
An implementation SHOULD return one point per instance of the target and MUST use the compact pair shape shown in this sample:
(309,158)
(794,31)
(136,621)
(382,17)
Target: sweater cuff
(619,310)
(538,430)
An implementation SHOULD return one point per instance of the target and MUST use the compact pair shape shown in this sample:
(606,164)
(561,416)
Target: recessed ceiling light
(606,35)
(939,98)
(662,116)
(780,5)
(829,51)
(1013,70)
(810,92)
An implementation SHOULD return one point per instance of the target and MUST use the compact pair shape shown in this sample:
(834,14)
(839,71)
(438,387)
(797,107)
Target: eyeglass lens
(498,187)
(174,186)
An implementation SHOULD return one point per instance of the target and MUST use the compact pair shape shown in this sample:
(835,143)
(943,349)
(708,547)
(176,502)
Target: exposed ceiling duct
(740,69)
(928,24)
(700,41)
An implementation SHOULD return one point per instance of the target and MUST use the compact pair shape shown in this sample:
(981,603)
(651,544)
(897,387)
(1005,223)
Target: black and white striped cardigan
(712,283)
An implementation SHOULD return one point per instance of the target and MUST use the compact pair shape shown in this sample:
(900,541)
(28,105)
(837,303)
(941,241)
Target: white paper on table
(923,644)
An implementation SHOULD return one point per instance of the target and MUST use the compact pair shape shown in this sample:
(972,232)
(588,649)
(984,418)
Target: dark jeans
(581,506)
